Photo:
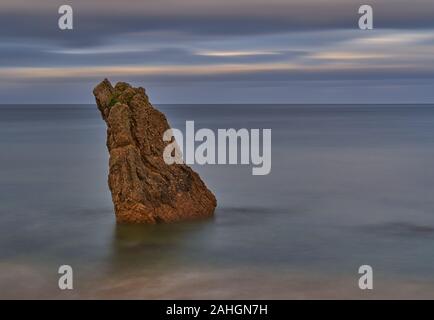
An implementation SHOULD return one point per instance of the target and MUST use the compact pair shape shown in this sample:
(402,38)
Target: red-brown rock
(144,188)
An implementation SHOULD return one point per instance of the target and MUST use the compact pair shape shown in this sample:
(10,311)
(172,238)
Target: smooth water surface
(349,185)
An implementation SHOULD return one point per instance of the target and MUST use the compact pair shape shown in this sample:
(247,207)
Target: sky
(219,51)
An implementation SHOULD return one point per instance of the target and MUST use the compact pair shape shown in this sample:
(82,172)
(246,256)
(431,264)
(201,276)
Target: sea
(350,185)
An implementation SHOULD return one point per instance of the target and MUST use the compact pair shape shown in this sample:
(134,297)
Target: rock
(144,188)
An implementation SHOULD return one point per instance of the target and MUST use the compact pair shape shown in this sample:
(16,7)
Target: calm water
(349,185)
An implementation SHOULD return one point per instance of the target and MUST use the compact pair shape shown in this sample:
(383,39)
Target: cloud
(216,43)
(234,53)
(97,22)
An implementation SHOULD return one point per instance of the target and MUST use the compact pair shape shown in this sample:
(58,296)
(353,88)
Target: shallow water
(349,185)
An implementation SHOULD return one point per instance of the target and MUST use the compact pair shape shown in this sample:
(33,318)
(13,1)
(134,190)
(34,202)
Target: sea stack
(144,188)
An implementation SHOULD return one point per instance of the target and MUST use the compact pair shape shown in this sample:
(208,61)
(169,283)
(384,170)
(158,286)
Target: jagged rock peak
(144,188)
